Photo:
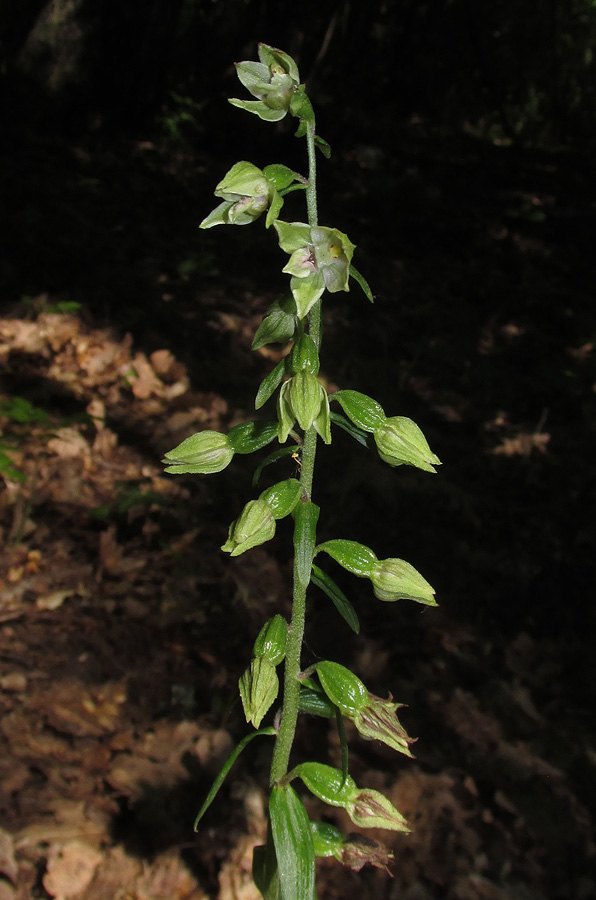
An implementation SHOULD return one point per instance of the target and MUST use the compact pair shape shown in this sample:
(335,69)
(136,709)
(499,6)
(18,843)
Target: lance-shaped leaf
(337,597)
(306,516)
(223,772)
(270,383)
(293,842)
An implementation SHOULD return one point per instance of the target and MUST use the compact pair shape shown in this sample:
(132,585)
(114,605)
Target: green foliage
(320,262)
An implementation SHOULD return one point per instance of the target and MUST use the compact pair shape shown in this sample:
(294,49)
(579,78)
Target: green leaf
(273,457)
(355,557)
(306,515)
(323,146)
(250,436)
(265,872)
(347,426)
(362,282)
(294,846)
(343,743)
(270,383)
(337,597)
(223,772)
(315,703)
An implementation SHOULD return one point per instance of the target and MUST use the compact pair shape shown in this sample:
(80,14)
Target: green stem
(289,714)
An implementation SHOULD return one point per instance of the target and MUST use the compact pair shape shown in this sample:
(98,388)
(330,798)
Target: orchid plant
(319,260)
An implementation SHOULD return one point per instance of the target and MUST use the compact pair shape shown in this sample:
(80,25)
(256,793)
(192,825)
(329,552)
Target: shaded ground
(123,630)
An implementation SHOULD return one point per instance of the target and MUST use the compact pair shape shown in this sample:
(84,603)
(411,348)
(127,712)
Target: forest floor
(123,629)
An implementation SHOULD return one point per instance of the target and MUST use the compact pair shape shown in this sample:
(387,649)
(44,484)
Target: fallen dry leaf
(70,869)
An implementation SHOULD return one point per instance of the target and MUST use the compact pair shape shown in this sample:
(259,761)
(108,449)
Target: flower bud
(305,400)
(203,453)
(271,640)
(255,525)
(258,689)
(395,579)
(400,442)
(352,850)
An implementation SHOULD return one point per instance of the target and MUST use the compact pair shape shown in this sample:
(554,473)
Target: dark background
(463,140)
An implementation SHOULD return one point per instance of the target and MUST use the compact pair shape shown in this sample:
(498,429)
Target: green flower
(246,194)
(273,80)
(396,579)
(255,525)
(319,259)
(202,453)
(401,442)
(304,400)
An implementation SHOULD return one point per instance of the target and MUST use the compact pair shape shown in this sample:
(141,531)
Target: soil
(124,629)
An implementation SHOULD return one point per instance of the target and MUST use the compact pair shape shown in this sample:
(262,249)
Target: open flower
(246,193)
(273,80)
(319,259)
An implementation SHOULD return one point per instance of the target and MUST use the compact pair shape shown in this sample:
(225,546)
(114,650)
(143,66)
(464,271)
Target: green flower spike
(319,259)
(273,80)
(255,525)
(304,400)
(246,193)
(400,442)
(395,579)
(203,453)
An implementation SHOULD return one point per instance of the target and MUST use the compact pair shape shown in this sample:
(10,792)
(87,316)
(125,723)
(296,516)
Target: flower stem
(289,715)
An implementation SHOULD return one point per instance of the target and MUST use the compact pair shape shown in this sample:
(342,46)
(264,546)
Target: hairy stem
(289,715)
